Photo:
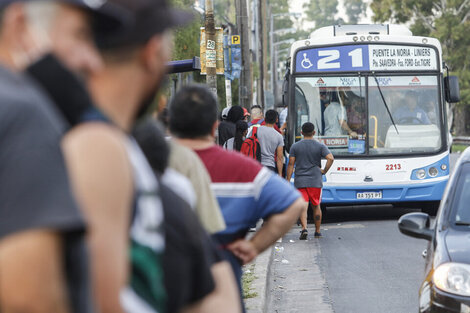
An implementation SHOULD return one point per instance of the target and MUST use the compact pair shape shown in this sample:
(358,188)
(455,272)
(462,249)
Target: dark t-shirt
(308,155)
(226,131)
(35,192)
(189,254)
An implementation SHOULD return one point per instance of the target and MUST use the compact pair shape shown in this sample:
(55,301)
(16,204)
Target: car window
(462,196)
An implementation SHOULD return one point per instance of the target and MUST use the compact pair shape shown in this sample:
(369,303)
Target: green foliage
(446,20)
(186,39)
(354,10)
(322,12)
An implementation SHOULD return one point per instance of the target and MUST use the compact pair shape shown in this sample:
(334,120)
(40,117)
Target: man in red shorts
(306,155)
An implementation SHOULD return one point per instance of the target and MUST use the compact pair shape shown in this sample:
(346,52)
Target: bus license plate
(369,195)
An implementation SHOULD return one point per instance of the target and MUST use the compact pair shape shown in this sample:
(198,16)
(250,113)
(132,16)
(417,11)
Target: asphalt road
(368,265)
(363,264)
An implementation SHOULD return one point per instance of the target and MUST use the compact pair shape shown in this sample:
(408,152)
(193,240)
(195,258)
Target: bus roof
(361,29)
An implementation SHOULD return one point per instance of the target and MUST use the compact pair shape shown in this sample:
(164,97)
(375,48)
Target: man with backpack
(271,143)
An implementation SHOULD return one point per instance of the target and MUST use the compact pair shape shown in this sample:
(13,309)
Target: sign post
(228,77)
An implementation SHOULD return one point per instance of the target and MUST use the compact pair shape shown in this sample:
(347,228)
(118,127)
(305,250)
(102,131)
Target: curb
(261,268)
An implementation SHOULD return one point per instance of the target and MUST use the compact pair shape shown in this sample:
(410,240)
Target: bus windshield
(367,115)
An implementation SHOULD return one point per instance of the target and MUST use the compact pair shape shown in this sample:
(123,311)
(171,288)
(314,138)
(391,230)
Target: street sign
(236,40)
(236,56)
(212,52)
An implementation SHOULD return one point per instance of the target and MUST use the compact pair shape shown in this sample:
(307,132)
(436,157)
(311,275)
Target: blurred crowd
(102,207)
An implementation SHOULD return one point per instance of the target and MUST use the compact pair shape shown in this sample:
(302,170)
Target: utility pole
(246,81)
(211,53)
(260,51)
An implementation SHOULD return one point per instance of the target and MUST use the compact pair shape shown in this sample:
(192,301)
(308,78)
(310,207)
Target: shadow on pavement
(364,213)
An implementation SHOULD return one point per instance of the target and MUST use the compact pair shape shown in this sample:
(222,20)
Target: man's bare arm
(31,261)
(225,297)
(280,159)
(290,168)
(102,181)
(274,228)
(329,162)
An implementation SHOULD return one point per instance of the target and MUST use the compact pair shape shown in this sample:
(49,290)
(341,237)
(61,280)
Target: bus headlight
(453,278)
(421,174)
(433,172)
(444,167)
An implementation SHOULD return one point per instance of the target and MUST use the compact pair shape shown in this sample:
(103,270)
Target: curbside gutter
(261,268)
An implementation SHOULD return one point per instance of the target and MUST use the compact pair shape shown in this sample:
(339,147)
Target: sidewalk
(287,278)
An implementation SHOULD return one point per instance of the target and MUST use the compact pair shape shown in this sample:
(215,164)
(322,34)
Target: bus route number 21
(331,59)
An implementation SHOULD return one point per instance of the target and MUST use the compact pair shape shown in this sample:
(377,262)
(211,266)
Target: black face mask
(146,105)
(64,88)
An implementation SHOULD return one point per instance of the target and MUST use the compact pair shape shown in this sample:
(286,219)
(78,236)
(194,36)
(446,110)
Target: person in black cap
(43,259)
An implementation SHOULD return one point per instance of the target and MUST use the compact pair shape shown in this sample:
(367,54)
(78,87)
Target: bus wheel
(430,207)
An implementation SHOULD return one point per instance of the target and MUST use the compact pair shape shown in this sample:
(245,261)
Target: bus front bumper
(412,192)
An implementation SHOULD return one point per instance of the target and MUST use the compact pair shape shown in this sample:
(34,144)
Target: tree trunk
(460,120)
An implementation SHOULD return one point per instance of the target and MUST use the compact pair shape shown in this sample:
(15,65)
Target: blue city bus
(378,97)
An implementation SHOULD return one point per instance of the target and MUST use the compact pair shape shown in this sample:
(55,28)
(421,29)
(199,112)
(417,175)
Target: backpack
(251,146)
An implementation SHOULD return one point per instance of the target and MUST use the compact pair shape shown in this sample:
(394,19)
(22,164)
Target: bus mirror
(452,89)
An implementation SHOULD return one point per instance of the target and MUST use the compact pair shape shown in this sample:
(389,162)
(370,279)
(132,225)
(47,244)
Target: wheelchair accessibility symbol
(306,64)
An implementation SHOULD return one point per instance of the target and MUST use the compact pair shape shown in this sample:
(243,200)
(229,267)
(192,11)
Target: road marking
(341,226)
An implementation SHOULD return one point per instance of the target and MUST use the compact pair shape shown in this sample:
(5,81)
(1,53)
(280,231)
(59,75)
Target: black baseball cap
(106,17)
(148,18)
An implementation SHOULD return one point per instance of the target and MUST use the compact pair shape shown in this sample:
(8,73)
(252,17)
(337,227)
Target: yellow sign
(236,40)
(212,58)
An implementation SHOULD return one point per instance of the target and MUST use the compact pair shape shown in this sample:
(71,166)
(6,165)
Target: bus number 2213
(393,167)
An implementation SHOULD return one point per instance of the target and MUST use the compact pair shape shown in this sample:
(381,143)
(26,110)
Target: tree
(322,12)
(449,22)
(354,10)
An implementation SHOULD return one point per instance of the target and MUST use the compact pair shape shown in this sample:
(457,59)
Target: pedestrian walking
(245,190)
(41,227)
(272,143)
(235,143)
(306,156)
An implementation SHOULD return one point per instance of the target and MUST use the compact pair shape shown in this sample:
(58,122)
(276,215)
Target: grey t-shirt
(35,192)
(334,112)
(269,140)
(308,155)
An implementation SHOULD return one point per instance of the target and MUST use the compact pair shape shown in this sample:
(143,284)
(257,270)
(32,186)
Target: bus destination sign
(355,58)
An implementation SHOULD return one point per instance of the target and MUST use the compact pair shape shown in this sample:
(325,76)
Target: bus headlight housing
(421,174)
(453,278)
(433,171)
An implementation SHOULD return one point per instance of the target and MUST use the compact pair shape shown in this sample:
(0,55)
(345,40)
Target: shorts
(312,195)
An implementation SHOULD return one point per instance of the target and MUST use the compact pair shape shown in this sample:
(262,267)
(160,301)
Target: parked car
(446,286)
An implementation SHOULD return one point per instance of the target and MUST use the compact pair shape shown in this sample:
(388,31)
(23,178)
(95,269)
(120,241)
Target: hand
(243,249)
(323,172)
(353,134)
